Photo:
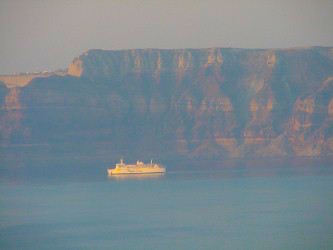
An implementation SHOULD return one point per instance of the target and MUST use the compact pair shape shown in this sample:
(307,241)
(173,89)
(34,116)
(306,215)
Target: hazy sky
(38,35)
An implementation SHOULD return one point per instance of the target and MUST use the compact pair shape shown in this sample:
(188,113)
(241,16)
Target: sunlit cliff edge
(217,102)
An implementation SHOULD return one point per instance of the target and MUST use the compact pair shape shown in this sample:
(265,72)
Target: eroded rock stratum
(217,102)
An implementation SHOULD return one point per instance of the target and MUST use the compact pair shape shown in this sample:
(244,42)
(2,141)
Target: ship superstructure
(138,168)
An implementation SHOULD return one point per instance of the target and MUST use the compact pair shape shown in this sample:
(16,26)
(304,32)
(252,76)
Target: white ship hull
(135,171)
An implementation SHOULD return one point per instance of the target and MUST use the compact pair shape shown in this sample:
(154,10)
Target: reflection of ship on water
(138,168)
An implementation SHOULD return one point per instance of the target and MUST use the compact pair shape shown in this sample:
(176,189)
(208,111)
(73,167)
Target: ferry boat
(138,168)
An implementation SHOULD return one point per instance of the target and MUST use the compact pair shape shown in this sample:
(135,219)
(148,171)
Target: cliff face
(192,102)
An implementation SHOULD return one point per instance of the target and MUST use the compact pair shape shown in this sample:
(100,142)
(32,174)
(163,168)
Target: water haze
(240,205)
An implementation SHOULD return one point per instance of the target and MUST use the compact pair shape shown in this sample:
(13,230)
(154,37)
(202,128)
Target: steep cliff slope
(217,102)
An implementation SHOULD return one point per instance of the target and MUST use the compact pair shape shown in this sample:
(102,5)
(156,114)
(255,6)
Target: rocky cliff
(217,102)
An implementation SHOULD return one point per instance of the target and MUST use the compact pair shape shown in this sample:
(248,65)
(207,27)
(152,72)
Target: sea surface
(240,206)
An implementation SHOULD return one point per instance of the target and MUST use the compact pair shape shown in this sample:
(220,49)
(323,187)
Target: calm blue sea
(280,207)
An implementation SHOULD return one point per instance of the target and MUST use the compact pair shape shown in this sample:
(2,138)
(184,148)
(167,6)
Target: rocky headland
(217,102)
